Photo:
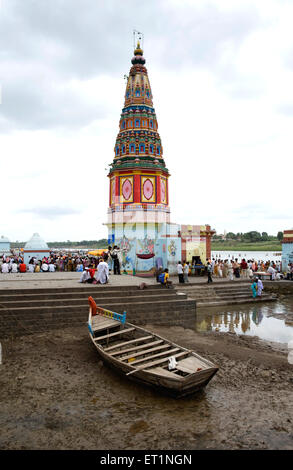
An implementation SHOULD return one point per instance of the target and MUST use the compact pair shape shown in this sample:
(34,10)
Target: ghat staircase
(25,311)
(223,293)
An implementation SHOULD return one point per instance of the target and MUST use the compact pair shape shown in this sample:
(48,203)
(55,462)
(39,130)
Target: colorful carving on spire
(138,174)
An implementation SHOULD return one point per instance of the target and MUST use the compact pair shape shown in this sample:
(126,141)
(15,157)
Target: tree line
(103,243)
(252,237)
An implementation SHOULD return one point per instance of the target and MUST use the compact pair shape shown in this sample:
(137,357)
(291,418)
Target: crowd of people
(112,257)
(233,269)
(65,262)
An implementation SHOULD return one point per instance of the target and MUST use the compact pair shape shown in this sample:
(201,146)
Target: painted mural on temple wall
(166,251)
(126,247)
(146,245)
(130,247)
(173,253)
(172,248)
(287,254)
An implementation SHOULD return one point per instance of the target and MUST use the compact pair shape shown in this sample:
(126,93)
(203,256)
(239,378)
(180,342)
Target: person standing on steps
(259,287)
(209,271)
(254,288)
(108,259)
(180,272)
(115,258)
(186,271)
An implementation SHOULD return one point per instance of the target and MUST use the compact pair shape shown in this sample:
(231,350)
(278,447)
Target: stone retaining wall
(28,320)
(279,287)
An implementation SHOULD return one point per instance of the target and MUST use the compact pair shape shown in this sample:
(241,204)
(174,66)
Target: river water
(267,321)
(256,255)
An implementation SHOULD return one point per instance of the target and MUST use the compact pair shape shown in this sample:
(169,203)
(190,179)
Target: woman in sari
(216,270)
(254,288)
(230,271)
(225,268)
(236,268)
(259,287)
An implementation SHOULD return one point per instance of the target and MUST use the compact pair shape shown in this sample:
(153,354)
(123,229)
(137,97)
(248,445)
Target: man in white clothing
(5,267)
(44,267)
(180,272)
(272,272)
(14,267)
(85,276)
(52,267)
(31,268)
(103,272)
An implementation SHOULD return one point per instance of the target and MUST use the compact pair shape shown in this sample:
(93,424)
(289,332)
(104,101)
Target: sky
(221,73)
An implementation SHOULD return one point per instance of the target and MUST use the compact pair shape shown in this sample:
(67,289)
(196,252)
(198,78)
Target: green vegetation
(223,245)
(250,241)
(84,244)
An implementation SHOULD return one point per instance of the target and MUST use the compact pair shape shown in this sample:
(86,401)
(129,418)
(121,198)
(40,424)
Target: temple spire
(138,50)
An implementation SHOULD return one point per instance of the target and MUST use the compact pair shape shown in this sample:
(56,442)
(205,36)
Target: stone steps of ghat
(20,320)
(215,293)
(83,300)
(235,301)
(51,294)
(230,299)
(81,288)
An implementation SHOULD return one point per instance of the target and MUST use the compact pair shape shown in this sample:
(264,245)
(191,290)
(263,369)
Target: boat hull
(161,386)
(177,388)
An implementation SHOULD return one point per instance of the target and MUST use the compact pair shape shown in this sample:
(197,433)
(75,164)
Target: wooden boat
(145,357)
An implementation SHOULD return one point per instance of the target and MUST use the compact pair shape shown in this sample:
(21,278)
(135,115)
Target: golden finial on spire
(138,50)
(139,36)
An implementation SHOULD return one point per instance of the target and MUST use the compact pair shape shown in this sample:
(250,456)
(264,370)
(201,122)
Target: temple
(287,249)
(4,246)
(139,213)
(35,247)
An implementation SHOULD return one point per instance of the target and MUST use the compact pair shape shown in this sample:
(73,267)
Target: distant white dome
(36,243)
(4,239)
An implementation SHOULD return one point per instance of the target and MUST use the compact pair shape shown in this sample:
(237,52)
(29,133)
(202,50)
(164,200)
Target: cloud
(221,83)
(54,51)
(53,103)
(50,212)
(285,108)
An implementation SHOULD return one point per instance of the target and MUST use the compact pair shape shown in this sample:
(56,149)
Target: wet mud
(57,394)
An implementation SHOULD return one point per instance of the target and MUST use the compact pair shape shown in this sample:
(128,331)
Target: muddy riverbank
(56,394)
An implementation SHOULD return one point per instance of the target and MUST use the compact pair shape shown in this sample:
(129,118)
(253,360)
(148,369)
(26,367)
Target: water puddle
(268,322)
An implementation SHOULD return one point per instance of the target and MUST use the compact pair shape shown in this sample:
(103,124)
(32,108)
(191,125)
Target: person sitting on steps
(164,279)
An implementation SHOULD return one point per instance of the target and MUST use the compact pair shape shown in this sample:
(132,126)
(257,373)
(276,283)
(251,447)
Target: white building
(36,247)
(4,246)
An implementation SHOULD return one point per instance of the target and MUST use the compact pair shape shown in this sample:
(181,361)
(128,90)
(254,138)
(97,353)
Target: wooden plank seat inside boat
(152,356)
(184,369)
(136,348)
(119,345)
(158,361)
(165,373)
(110,335)
(190,365)
(144,352)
